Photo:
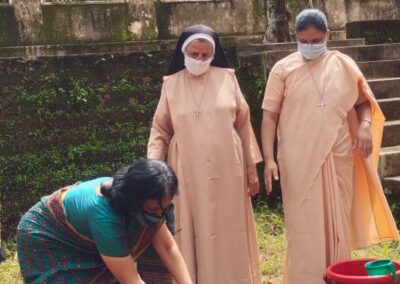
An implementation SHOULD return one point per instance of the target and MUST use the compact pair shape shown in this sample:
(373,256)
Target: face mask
(196,67)
(311,51)
(146,219)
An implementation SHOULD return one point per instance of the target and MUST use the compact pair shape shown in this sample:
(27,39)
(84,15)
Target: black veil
(177,62)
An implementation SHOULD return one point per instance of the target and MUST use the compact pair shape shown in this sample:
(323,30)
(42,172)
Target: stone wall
(359,10)
(8,27)
(72,21)
(375,31)
(90,23)
(36,22)
(227,17)
(70,118)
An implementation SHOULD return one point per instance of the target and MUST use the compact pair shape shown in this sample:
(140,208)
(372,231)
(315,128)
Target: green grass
(388,249)
(271,238)
(272,243)
(9,272)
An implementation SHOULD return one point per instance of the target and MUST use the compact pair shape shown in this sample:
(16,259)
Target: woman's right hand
(123,269)
(270,172)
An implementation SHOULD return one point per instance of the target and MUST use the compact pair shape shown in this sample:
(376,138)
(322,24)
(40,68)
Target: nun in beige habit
(203,121)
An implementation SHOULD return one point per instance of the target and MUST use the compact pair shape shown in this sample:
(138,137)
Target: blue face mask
(147,219)
(311,51)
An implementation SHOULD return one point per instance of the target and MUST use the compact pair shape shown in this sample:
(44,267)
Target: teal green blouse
(92,216)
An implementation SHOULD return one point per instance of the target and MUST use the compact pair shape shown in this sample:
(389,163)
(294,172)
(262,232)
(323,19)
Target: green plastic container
(381,267)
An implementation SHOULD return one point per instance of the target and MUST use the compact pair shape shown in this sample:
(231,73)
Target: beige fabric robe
(333,200)
(210,155)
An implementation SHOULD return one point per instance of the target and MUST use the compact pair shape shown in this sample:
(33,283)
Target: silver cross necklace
(321,104)
(197,105)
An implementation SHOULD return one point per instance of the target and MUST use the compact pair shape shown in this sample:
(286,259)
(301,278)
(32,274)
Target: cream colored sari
(333,200)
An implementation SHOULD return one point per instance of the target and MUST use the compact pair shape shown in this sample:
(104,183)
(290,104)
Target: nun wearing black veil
(203,122)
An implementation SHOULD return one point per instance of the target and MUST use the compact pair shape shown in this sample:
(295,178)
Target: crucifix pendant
(197,112)
(322,105)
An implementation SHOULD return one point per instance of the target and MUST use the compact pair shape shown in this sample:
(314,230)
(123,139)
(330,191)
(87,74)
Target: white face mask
(311,51)
(196,67)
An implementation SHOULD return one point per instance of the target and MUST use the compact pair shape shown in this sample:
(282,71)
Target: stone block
(389,163)
(385,87)
(391,133)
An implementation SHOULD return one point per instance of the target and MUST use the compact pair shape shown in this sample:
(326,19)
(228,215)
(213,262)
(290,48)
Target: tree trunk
(29,20)
(277,23)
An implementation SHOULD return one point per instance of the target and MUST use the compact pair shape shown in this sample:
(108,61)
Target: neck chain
(321,104)
(197,105)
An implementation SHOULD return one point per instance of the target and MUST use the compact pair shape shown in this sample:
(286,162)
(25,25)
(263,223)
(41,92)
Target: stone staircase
(380,65)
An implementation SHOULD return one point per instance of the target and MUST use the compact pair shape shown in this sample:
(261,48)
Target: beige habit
(333,200)
(210,154)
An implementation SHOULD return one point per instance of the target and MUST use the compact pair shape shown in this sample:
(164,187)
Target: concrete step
(372,52)
(338,35)
(260,47)
(391,134)
(380,69)
(385,87)
(391,185)
(389,162)
(361,53)
(390,108)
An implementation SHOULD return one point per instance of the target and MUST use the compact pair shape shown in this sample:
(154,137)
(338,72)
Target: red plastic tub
(352,271)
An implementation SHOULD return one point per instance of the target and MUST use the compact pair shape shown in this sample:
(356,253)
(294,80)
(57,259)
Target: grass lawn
(270,232)
(271,239)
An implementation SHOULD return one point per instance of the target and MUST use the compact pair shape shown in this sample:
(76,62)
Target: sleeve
(109,234)
(244,129)
(274,91)
(161,130)
(364,91)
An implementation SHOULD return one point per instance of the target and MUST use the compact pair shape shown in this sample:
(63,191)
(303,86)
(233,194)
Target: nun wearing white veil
(203,121)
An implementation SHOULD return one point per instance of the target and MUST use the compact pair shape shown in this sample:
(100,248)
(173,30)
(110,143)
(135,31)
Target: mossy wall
(227,17)
(64,119)
(375,32)
(362,10)
(79,23)
(8,27)
(85,23)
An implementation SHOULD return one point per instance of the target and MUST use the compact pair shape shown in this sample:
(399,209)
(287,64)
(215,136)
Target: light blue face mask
(311,51)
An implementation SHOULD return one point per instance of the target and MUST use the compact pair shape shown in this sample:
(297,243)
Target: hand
(253,184)
(270,171)
(364,140)
(254,187)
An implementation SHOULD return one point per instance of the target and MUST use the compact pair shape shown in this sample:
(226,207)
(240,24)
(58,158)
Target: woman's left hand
(253,183)
(364,140)
(254,187)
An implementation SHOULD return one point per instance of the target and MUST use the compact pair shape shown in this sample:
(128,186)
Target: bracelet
(367,120)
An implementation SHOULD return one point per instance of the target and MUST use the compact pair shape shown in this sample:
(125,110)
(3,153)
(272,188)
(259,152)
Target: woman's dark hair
(311,18)
(134,184)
